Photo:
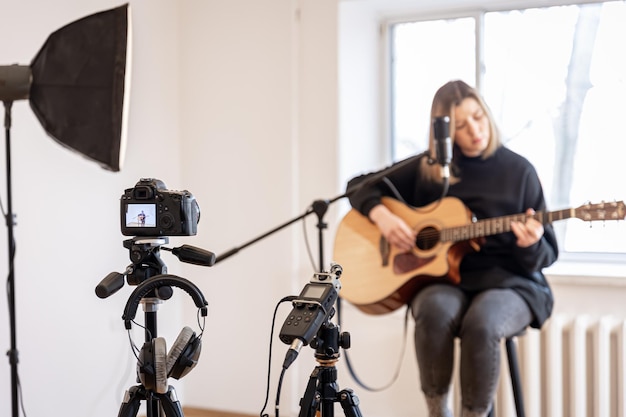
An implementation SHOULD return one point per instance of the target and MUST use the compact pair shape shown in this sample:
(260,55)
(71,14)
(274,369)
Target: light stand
(76,88)
(12,353)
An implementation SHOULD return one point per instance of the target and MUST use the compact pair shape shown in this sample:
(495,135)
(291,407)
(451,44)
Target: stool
(516,382)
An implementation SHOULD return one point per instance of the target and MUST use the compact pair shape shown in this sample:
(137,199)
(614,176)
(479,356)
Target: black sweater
(503,184)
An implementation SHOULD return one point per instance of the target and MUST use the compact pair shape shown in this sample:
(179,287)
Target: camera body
(150,209)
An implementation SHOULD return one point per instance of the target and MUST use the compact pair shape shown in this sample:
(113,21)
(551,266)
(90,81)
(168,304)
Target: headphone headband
(159,281)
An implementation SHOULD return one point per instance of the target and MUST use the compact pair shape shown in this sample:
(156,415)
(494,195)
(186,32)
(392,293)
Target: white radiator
(573,367)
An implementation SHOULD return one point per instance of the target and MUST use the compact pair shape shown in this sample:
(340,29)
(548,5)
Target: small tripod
(322,391)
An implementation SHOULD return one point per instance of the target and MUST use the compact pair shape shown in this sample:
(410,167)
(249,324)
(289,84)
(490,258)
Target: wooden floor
(198,412)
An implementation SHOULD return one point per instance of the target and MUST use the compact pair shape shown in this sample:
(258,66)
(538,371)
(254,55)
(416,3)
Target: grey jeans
(443,312)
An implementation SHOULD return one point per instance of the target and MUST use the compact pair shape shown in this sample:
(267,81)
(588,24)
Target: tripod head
(145,255)
(327,343)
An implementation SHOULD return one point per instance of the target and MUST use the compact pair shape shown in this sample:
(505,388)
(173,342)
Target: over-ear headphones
(155,363)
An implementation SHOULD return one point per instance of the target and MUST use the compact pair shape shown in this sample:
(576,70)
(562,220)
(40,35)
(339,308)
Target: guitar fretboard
(496,225)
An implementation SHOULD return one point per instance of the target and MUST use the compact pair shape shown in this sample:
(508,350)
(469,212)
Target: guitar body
(377,278)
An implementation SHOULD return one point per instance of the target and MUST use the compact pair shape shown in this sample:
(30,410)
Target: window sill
(579,271)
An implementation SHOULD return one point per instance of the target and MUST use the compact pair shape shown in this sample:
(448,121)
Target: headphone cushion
(151,366)
(160,355)
(184,354)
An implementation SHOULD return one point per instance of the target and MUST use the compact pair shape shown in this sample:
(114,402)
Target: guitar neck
(497,225)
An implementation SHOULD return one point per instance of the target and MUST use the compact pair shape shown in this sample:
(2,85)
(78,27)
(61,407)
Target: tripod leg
(350,403)
(329,390)
(171,405)
(131,402)
(310,401)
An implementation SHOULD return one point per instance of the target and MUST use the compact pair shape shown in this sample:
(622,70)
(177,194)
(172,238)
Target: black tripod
(168,401)
(322,391)
(146,263)
(156,403)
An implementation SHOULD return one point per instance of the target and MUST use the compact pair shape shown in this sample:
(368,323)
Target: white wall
(238,102)
(73,350)
(237,105)
(258,117)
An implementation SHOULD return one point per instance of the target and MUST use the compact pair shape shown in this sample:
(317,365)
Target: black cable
(133,346)
(308,246)
(278,390)
(444,190)
(398,367)
(394,190)
(21,397)
(200,325)
(269,365)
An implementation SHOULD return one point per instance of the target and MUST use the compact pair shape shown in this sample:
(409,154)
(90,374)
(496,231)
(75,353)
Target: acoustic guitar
(379,279)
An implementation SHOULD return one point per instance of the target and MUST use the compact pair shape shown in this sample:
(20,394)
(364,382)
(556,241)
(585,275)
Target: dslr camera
(150,209)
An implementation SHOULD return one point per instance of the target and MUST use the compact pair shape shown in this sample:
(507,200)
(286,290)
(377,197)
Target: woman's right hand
(393,228)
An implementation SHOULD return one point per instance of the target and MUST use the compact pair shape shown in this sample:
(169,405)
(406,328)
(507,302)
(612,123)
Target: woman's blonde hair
(445,100)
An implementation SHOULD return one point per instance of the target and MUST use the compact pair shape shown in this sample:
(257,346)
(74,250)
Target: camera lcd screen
(141,215)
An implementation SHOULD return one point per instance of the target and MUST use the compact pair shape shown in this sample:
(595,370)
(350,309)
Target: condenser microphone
(443,144)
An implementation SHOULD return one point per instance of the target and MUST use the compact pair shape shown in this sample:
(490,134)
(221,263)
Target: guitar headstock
(601,211)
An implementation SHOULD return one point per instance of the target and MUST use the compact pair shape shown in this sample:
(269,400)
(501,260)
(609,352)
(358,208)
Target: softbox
(78,85)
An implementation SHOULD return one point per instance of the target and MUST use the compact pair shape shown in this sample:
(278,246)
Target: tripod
(145,254)
(322,391)
(155,402)
(146,264)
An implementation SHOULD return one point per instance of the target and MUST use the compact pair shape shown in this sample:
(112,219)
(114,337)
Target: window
(425,55)
(555,79)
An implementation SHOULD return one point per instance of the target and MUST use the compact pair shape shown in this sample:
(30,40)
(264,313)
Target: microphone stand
(319,207)
(323,378)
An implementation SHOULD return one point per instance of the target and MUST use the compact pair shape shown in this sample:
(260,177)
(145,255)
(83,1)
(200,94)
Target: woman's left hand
(528,233)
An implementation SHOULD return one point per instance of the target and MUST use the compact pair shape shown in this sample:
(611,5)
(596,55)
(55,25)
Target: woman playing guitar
(501,289)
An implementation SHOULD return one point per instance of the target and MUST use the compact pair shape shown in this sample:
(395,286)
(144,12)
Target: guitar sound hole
(427,238)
